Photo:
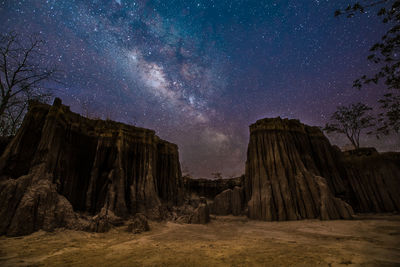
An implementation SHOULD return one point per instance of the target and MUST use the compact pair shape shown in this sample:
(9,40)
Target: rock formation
(373,180)
(64,170)
(139,224)
(103,221)
(60,163)
(228,202)
(293,172)
(201,214)
(209,188)
(285,168)
(225,196)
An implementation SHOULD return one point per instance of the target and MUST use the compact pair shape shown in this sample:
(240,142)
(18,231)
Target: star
(200,72)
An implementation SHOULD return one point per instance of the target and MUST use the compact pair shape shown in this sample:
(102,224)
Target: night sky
(200,72)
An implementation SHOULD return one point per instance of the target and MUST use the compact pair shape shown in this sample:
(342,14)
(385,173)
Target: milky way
(199,72)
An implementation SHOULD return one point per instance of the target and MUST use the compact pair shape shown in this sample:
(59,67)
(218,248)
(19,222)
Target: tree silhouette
(22,75)
(350,120)
(386,53)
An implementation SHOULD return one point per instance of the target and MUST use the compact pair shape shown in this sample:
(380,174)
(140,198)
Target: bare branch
(22,77)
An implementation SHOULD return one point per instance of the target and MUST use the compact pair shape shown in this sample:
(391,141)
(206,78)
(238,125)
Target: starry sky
(200,72)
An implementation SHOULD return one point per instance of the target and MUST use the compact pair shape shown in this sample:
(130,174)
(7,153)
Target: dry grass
(226,241)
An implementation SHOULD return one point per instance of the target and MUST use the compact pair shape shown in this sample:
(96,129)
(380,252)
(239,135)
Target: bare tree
(351,120)
(22,77)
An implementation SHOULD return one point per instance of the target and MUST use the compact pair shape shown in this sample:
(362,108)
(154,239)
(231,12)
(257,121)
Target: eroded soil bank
(371,240)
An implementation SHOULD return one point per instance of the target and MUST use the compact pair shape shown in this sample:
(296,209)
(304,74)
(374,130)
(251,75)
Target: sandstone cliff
(291,170)
(373,180)
(64,170)
(60,163)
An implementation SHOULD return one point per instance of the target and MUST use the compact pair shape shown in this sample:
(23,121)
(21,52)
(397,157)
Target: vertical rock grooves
(60,162)
(374,180)
(23,146)
(170,188)
(283,181)
(60,167)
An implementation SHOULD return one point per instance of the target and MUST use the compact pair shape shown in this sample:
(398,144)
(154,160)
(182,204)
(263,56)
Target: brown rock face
(103,221)
(201,214)
(373,180)
(139,224)
(169,181)
(29,204)
(60,162)
(285,168)
(64,170)
(228,202)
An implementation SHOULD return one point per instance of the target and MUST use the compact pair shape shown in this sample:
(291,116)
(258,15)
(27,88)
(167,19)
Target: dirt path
(226,241)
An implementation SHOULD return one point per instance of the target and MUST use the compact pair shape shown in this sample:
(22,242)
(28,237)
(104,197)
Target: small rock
(201,214)
(104,221)
(139,224)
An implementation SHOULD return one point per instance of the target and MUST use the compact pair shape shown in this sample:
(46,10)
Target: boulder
(228,202)
(104,221)
(201,214)
(30,203)
(222,203)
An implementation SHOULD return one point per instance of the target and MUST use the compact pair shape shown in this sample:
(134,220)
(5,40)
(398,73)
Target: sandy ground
(226,241)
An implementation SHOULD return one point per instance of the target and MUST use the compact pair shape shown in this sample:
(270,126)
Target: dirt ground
(225,241)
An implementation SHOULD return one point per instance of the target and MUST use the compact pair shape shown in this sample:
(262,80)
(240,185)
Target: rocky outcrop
(32,202)
(64,170)
(222,203)
(201,214)
(60,163)
(104,221)
(209,188)
(193,210)
(290,171)
(225,195)
(228,202)
(373,180)
(293,172)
